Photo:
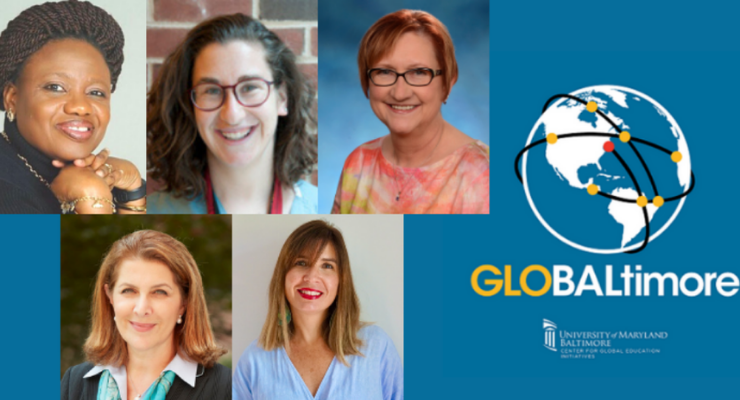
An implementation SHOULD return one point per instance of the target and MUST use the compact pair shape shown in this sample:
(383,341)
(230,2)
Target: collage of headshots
(198,118)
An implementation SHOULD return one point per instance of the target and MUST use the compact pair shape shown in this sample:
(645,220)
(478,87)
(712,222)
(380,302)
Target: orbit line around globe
(642,201)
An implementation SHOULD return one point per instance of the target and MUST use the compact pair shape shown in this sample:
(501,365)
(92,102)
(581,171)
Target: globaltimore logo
(487,280)
(589,344)
(605,159)
(550,329)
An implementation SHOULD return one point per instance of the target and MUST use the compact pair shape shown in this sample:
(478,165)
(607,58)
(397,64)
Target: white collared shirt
(183,367)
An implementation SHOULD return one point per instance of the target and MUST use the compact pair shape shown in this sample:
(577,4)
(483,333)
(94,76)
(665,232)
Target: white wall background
(375,246)
(126,134)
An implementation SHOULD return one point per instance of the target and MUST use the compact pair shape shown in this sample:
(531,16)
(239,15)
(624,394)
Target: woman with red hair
(425,165)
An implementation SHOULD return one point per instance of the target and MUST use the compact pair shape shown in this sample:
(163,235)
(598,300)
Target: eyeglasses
(414,77)
(251,92)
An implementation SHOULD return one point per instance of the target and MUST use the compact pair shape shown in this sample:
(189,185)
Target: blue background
(462,345)
(345,117)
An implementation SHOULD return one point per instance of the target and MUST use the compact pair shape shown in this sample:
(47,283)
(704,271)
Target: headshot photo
(318,308)
(408,127)
(231,111)
(146,307)
(73,107)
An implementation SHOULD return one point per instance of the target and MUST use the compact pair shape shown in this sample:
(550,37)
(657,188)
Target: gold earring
(11,115)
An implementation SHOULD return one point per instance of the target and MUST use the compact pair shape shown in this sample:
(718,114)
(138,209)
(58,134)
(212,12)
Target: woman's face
(403,108)
(62,99)
(235,134)
(147,303)
(312,289)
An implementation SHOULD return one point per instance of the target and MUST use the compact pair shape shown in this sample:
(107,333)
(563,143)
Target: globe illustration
(606,169)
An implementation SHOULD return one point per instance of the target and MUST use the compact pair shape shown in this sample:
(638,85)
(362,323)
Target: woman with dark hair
(228,122)
(150,336)
(59,64)
(313,345)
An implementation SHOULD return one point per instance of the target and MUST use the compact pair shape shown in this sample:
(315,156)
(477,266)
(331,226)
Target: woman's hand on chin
(126,175)
(116,172)
(83,188)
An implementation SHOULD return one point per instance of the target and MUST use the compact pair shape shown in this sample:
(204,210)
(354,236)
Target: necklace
(395,173)
(138,395)
(25,161)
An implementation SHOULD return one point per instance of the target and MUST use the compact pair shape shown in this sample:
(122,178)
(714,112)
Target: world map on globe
(606,169)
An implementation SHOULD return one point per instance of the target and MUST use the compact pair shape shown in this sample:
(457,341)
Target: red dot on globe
(608,146)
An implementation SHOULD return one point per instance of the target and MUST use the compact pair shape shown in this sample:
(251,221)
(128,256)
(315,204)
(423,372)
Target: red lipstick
(309,294)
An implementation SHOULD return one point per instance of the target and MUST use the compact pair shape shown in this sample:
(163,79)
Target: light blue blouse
(306,201)
(269,375)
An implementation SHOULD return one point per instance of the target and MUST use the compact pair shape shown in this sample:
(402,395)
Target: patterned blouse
(457,184)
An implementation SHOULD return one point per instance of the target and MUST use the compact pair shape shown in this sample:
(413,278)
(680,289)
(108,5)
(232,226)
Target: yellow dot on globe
(625,136)
(552,138)
(592,106)
(592,189)
(676,156)
(642,201)
(658,201)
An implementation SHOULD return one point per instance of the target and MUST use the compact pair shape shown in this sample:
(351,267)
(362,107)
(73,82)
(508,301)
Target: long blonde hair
(343,319)
(194,336)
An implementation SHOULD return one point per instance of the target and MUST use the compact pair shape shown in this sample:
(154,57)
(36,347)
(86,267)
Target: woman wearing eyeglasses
(407,69)
(228,124)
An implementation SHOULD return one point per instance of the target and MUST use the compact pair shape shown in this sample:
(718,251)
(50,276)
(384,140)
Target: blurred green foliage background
(87,238)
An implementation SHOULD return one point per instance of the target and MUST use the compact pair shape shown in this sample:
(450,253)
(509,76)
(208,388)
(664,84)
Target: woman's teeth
(235,135)
(404,108)
(78,128)
(310,292)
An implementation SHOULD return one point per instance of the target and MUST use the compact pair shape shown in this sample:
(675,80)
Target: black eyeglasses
(251,92)
(414,77)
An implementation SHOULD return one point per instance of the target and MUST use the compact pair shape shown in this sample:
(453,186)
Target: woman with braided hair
(59,65)
(228,124)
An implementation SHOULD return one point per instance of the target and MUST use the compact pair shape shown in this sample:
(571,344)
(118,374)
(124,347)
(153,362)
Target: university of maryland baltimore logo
(550,329)
(606,169)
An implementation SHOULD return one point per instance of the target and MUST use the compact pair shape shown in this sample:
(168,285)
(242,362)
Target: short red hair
(383,35)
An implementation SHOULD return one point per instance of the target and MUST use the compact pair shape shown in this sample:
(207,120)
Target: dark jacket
(210,384)
(21,192)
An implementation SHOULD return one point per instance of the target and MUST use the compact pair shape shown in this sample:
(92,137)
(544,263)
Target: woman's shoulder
(212,383)
(165,203)
(470,160)
(476,151)
(365,150)
(255,352)
(306,199)
(373,337)
(377,348)
(255,355)
(73,385)
(219,373)
(78,371)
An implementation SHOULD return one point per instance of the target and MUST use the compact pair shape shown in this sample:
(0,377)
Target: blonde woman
(151,338)
(313,345)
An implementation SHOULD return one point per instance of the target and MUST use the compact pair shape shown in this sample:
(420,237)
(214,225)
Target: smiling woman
(59,64)
(151,335)
(228,122)
(313,345)
(425,165)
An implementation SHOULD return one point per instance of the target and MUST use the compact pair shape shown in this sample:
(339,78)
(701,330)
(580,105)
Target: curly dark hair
(176,155)
(40,24)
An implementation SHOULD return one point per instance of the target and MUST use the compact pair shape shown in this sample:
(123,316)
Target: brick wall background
(294,21)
